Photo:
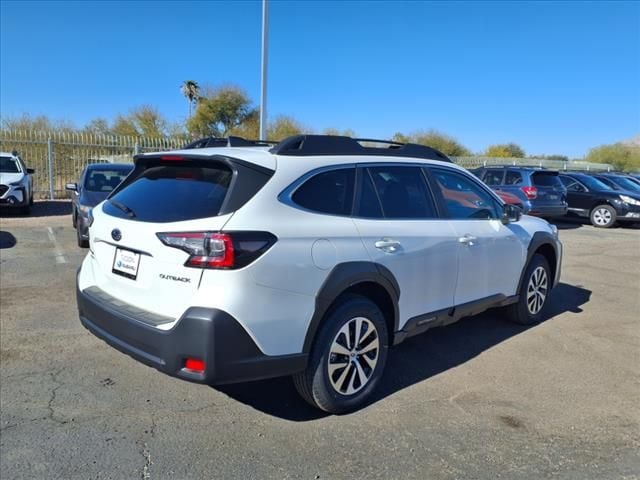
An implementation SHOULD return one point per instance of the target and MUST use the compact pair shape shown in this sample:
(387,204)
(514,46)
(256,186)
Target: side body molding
(342,277)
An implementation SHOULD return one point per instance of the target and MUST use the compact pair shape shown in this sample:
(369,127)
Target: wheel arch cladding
(542,243)
(369,279)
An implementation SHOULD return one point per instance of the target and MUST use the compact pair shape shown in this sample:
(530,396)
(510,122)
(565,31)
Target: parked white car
(16,184)
(309,259)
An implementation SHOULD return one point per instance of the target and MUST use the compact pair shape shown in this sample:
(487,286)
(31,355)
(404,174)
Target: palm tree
(190,89)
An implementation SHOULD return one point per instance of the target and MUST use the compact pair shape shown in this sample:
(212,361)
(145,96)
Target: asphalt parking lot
(478,399)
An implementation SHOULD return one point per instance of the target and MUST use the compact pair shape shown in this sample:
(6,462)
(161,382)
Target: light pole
(263,78)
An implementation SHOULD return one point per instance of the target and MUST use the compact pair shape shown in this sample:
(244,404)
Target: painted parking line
(60,258)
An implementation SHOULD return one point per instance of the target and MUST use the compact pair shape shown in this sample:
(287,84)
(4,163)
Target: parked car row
(603,198)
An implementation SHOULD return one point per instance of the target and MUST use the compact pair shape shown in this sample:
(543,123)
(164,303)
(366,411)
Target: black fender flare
(341,278)
(539,239)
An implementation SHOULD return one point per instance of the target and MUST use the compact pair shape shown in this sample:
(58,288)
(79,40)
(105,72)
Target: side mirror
(31,171)
(72,187)
(510,214)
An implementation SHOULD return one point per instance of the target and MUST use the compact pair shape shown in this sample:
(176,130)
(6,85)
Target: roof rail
(230,141)
(306,145)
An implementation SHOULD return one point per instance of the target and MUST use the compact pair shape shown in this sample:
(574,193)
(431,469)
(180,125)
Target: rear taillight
(219,250)
(530,192)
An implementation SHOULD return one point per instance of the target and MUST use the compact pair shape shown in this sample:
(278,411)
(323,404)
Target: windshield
(104,180)
(9,165)
(593,183)
(626,184)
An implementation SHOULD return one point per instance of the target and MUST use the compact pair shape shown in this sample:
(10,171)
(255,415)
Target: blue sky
(555,77)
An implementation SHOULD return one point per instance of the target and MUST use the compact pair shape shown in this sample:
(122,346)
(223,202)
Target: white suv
(310,259)
(16,184)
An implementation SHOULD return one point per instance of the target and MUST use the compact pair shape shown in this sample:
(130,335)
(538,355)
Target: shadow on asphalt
(415,360)
(42,208)
(7,240)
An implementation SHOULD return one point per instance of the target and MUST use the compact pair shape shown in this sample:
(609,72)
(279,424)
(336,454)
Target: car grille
(3,189)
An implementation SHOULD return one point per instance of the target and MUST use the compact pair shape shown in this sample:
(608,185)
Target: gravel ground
(480,399)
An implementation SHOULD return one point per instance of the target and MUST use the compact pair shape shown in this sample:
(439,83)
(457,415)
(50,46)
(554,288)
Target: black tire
(25,210)
(603,216)
(316,385)
(522,311)
(31,200)
(82,243)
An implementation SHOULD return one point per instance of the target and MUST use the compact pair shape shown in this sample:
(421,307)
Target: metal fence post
(50,160)
(136,148)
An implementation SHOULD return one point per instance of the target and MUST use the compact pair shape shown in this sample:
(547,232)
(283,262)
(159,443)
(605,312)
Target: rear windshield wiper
(130,213)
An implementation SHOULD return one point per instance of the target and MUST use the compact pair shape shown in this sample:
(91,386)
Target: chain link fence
(59,157)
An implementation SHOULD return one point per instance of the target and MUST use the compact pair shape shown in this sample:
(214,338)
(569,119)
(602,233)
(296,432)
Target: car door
(578,196)
(491,256)
(396,216)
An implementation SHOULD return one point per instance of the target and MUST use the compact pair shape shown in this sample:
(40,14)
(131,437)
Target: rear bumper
(548,211)
(207,334)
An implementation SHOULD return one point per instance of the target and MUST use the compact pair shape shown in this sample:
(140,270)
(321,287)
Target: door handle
(467,240)
(387,245)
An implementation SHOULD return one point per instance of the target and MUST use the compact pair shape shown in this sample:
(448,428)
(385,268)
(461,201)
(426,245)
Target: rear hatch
(136,232)
(550,190)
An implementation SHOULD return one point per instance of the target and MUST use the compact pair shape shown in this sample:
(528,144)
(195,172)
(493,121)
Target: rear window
(172,193)
(546,179)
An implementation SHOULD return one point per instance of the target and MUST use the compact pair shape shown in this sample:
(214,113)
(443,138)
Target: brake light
(219,250)
(172,158)
(530,192)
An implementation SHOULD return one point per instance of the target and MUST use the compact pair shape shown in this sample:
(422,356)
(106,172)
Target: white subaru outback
(310,258)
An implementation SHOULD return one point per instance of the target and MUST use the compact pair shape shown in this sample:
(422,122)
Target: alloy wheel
(353,356)
(537,289)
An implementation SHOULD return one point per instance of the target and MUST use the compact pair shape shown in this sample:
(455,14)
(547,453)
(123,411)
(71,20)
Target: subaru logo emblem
(116,234)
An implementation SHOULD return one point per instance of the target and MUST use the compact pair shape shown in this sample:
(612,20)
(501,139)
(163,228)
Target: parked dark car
(619,182)
(542,188)
(96,182)
(590,198)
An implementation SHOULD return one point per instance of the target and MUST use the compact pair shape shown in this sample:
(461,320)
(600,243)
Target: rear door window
(328,192)
(546,179)
(494,177)
(513,178)
(172,193)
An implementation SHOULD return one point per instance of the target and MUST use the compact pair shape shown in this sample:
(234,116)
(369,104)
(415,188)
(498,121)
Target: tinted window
(369,203)
(104,180)
(494,177)
(9,165)
(626,184)
(513,178)
(329,192)
(464,199)
(546,179)
(403,192)
(172,193)
(571,184)
(593,183)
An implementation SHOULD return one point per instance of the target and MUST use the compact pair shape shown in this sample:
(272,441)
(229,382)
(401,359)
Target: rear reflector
(194,364)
